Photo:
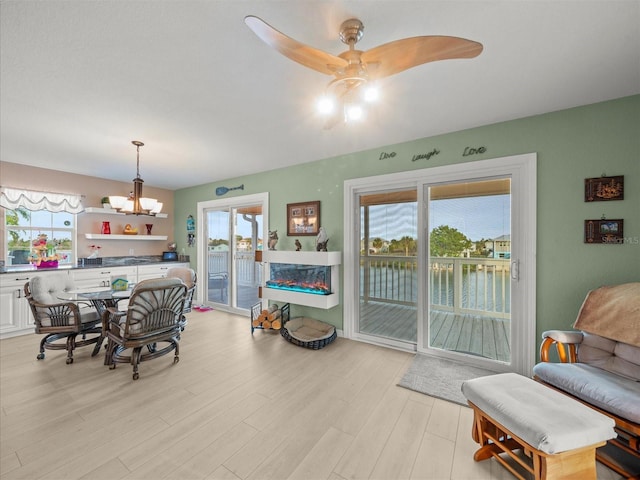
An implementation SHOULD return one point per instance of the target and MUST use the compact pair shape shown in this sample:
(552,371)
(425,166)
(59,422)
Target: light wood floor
(236,406)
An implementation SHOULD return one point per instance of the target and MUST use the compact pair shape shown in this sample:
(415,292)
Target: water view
(460,284)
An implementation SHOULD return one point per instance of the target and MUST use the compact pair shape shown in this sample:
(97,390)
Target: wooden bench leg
(572,465)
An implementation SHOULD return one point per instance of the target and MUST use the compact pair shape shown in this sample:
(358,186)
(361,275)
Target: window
(23,226)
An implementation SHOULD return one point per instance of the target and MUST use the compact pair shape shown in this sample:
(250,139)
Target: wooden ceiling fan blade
(394,57)
(318,60)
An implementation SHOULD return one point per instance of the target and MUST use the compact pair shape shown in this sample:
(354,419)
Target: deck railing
(248,272)
(460,285)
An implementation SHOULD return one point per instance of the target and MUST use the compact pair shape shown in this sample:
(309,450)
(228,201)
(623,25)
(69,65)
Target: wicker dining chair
(190,279)
(61,320)
(152,318)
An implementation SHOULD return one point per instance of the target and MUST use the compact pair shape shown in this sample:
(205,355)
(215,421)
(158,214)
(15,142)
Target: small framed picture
(604,231)
(303,218)
(604,189)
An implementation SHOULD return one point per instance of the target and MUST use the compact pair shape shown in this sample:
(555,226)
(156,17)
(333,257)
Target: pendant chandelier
(136,204)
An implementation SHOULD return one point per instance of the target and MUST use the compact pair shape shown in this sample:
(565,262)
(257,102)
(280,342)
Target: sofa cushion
(615,357)
(608,391)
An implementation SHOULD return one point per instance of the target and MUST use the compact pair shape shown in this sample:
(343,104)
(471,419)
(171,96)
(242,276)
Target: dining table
(101,298)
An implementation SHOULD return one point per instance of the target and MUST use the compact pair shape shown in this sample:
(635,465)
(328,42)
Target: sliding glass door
(469,269)
(233,230)
(387,274)
(443,261)
(220,253)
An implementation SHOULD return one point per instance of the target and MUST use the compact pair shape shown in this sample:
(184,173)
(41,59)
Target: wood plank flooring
(236,406)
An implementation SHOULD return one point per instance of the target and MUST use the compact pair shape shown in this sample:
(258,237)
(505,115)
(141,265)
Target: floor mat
(440,378)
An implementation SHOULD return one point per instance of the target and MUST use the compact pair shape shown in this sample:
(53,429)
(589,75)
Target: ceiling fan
(355,71)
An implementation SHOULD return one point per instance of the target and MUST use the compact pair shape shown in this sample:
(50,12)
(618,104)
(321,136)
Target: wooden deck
(472,334)
(247,296)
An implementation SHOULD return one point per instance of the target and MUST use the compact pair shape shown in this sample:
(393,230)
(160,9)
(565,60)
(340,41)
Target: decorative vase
(148,225)
(106,228)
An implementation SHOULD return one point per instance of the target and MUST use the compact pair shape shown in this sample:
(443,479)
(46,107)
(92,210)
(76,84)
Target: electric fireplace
(303,278)
(313,279)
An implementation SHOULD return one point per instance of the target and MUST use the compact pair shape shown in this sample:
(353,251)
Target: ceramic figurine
(322,246)
(273,239)
(321,240)
(298,245)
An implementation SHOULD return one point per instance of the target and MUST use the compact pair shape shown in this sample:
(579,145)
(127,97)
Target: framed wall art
(303,218)
(603,189)
(604,231)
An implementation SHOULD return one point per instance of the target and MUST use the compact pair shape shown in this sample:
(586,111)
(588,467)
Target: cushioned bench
(558,435)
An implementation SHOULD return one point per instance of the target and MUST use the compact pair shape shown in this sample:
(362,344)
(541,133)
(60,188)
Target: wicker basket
(323,332)
(314,345)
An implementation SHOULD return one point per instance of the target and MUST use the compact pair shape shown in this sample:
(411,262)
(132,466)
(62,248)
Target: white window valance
(13,198)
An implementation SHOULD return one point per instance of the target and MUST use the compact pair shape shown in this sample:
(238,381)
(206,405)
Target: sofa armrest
(565,342)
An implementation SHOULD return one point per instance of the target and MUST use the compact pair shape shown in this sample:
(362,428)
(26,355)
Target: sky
(476,217)
(218,223)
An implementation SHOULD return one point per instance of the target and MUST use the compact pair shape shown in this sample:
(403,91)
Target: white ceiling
(81,79)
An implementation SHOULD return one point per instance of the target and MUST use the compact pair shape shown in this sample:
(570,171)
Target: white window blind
(13,198)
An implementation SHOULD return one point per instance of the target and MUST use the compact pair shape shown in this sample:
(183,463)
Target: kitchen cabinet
(101,277)
(15,314)
(146,272)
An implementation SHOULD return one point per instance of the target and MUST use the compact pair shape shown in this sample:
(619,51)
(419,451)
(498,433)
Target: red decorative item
(106,228)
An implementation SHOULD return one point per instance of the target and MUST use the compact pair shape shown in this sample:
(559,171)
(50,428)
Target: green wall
(571,145)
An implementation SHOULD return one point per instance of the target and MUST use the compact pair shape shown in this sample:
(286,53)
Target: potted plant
(105,202)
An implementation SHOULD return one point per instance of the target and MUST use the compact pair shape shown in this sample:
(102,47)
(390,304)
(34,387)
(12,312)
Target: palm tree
(12,219)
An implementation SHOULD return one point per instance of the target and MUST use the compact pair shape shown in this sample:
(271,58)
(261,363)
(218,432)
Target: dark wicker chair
(190,279)
(152,317)
(60,320)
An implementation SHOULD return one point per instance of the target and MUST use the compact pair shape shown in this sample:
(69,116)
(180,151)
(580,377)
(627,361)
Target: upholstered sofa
(599,364)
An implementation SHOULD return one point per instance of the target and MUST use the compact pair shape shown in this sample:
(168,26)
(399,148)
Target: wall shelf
(100,236)
(302,258)
(111,211)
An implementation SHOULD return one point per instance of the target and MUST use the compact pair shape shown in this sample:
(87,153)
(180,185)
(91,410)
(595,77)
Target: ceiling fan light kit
(354,87)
